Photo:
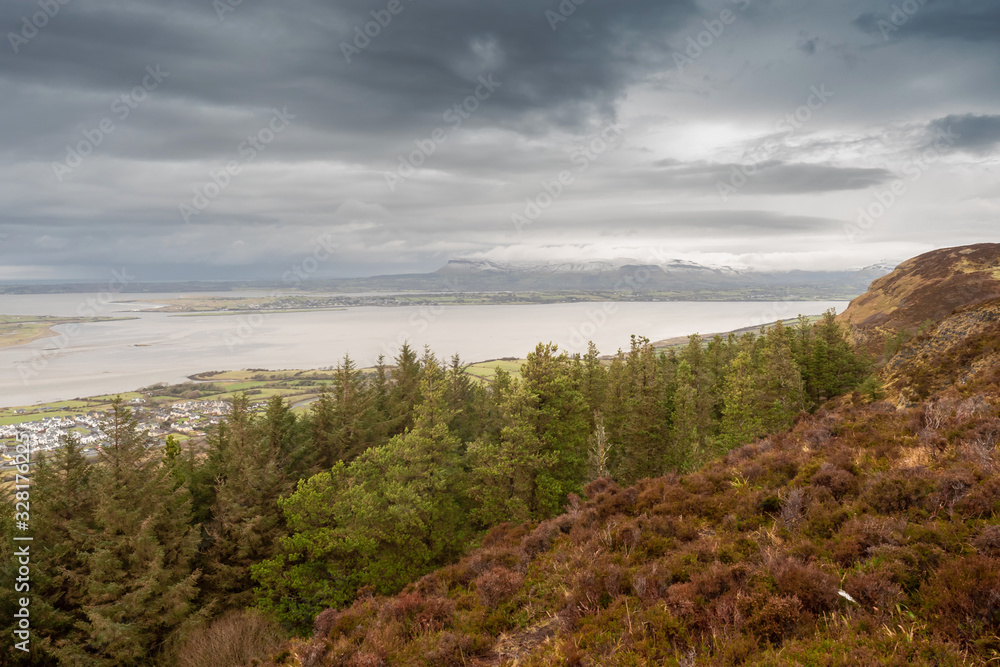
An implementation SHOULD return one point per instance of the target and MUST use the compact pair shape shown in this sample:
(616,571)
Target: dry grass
(238,639)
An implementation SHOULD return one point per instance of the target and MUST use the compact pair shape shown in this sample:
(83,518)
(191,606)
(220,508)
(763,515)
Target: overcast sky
(388,136)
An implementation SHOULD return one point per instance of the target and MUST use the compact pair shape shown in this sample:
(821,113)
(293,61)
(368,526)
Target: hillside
(925,289)
(867,534)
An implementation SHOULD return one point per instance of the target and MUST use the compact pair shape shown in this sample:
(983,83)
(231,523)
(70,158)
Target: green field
(485,371)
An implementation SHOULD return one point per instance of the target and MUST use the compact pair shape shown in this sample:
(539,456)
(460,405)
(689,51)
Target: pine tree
(764,389)
(686,450)
(643,440)
(141,580)
(323,430)
(593,381)
(505,465)
(741,417)
(562,425)
(782,393)
(461,397)
(62,515)
(390,515)
(284,436)
(245,521)
(9,598)
(350,435)
(405,388)
(378,416)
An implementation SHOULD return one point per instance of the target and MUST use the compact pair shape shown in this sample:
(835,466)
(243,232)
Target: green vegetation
(391,473)
(866,534)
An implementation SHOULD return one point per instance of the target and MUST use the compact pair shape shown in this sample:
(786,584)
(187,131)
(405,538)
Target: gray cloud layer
(163,96)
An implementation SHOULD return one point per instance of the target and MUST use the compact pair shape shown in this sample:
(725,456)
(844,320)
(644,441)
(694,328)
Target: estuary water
(105,357)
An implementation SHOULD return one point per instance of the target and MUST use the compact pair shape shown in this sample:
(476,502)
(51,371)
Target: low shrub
(498,585)
(964,597)
(236,639)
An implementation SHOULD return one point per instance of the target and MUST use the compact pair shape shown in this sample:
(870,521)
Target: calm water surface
(105,357)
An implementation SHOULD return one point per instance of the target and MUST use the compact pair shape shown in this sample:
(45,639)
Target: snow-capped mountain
(595,266)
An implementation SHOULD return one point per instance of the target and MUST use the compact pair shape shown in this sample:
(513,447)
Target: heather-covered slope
(867,534)
(741,563)
(923,290)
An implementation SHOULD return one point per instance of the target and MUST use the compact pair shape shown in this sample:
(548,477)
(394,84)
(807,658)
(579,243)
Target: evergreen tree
(687,440)
(378,416)
(562,425)
(246,522)
(461,397)
(593,381)
(405,388)
(389,516)
(505,465)
(141,580)
(282,430)
(741,417)
(350,433)
(782,393)
(10,596)
(643,440)
(764,389)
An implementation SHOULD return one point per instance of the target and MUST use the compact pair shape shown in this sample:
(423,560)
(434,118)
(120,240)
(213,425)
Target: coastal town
(187,418)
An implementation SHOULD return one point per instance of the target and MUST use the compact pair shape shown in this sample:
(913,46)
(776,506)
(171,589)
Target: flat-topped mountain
(683,278)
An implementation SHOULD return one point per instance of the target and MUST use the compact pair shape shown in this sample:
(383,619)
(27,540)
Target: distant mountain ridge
(679,277)
(674,279)
(586,266)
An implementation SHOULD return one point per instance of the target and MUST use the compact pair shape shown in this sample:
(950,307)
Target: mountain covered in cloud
(596,266)
(674,278)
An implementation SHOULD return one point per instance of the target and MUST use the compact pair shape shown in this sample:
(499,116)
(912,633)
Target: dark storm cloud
(226,67)
(976,134)
(425,60)
(966,20)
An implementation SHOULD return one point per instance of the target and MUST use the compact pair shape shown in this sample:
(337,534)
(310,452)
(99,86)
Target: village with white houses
(190,418)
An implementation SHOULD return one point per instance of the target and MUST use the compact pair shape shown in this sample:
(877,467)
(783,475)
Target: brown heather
(867,534)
